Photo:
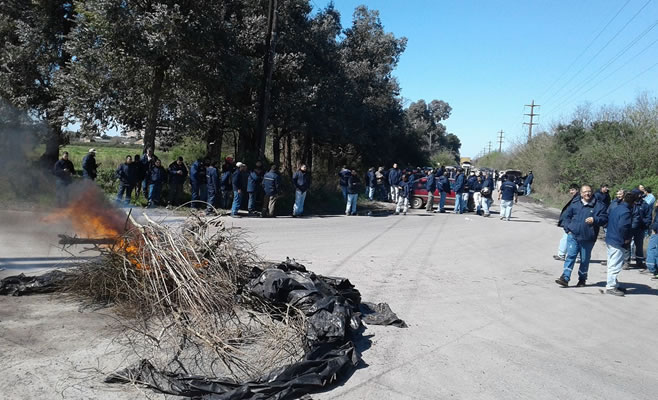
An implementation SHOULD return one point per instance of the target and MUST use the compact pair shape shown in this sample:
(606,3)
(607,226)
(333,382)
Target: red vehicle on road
(419,198)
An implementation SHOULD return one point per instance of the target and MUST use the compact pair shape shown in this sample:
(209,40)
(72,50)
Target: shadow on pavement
(632,288)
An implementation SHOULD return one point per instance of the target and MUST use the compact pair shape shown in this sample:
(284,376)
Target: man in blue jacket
(89,165)
(582,222)
(487,194)
(254,182)
(405,191)
(212,184)
(302,182)
(64,172)
(199,183)
(617,239)
(603,195)
(177,176)
(574,192)
(156,177)
(528,183)
(508,196)
(127,174)
(238,188)
(641,222)
(371,183)
(430,186)
(458,187)
(444,188)
(225,187)
(271,184)
(394,177)
(343,176)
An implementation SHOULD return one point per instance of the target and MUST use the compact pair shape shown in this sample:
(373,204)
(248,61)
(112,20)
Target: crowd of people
(627,220)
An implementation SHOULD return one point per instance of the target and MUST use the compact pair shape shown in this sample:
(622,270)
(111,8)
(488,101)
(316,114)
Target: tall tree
(32,51)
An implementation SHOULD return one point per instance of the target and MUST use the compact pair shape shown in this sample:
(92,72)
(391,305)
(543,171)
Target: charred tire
(416,202)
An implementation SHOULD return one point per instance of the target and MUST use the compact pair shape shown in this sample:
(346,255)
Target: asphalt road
(486,320)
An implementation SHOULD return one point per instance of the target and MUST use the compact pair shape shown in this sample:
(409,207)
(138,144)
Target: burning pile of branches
(177,290)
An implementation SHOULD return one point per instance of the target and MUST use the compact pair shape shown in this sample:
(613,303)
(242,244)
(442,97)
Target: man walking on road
(582,222)
(302,181)
(562,247)
(617,239)
(404,193)
(509,196)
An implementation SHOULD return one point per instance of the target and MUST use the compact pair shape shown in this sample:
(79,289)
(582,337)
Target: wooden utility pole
(532,114)
(500,141)
(268,68)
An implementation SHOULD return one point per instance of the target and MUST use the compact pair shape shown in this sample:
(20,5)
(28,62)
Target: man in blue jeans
(238,189)
(528,183)
(444,189)
(581,222)
(507,195)
(458,188)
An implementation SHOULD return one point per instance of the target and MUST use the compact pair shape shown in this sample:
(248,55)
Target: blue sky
(490,58)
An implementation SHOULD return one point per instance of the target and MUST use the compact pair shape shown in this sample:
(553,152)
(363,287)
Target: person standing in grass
(127,174)
(89,165)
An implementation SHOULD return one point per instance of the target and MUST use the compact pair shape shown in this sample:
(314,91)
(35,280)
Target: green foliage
(190,149)
(445,157)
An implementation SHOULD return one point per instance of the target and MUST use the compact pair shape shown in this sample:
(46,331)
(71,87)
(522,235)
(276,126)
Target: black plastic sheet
(21,285)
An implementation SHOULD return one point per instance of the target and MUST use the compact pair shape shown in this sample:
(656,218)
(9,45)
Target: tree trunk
(214,140)
(53,140)
(276,148)
(289,167)
(307,150)
(154,109)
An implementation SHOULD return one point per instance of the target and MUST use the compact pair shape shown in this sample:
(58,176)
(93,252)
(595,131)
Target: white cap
(239,164)
(92,150)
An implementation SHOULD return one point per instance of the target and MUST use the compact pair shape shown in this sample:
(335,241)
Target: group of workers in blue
(627,220)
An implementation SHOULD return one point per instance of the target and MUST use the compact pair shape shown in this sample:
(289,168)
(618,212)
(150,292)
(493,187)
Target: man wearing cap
(89,165)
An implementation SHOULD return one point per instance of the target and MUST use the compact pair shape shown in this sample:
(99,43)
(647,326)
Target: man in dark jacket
(508,196)
(487,194)
(641,221)
(444,189)
(617,239)
(458,187)
(127,174)
(212,186)
(239,187)
(527,184)
(89,165)
(619,198)
(271,184)
(177,176)
(64,172)
(405,192)
(394,177)
(603,195)
(343,175)
(225,187)
(302,182)
(253,184)
(148,161)
(582,222)
(353,189)
(574,191)
(470,189)
(199,184)
(371,183)
(140,174)
(430,186)
(156,178)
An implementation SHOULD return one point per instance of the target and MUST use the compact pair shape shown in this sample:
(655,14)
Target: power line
(607,76)
(630,45)
(500,141)
(586,48)
(600,50)
(627,82)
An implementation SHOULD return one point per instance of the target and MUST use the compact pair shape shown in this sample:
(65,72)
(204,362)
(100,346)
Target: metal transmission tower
(500,141)
(532,114)
(489,147)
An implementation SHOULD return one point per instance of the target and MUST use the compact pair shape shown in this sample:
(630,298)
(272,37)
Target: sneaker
(558,258)
(562,282)
(581,283)
(614,292)
(347,214)
(507,219)
(405,213)
(502,218)
(396,213)
(487,215)
(626,266)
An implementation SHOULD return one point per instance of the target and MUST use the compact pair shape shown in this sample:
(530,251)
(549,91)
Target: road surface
(486,320)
